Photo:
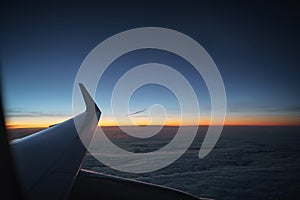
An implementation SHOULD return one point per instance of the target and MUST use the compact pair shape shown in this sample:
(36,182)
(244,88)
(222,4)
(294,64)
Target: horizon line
(201,125)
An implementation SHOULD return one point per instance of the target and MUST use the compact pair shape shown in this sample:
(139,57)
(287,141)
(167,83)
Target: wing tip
(88,100)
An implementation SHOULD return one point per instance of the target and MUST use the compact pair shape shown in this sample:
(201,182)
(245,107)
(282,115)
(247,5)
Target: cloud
(17,112)
(247,163)
(248,108)
(293,108)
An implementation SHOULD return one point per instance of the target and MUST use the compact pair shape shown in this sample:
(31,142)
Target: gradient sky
(255,46)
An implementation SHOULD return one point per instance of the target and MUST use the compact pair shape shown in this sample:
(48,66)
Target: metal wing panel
(51,158)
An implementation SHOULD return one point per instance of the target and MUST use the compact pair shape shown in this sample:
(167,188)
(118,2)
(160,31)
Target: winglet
(58,153)
(88,100)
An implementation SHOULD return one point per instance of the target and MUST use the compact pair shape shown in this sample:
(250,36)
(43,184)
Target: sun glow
(261,120)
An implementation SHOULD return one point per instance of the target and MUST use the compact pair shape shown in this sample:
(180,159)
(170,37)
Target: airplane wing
(48,165)
(92,185)
(48,161)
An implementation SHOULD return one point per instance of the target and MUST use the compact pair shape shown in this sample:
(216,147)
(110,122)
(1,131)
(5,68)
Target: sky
(254,45)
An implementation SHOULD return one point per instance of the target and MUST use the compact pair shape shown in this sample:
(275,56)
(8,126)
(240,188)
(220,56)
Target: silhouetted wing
(92,185)
(48,164)
(48,161)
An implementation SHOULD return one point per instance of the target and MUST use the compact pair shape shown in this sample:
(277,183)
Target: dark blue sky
(254,44)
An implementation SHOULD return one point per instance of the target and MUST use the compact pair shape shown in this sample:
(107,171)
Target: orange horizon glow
(205,121)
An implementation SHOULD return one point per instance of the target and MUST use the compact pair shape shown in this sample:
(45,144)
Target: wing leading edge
(48,164)
(48,161)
